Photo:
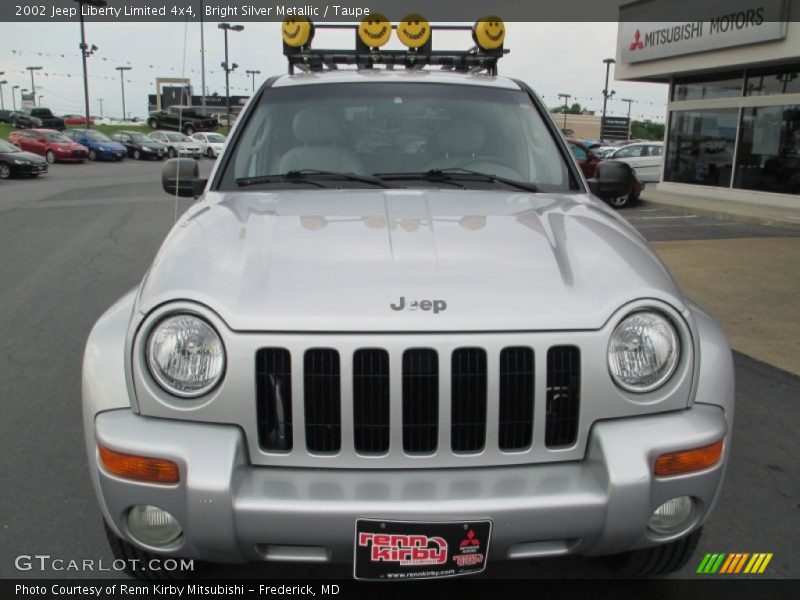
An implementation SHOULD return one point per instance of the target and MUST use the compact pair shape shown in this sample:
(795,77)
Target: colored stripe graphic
(733,563)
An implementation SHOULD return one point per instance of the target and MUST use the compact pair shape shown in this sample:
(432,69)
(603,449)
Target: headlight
(20,162)
(185,355)
(643,352)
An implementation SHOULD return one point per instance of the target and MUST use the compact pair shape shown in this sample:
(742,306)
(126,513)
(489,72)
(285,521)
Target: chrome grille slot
(420,401)
(563,396)
(371,401)
(468,400)
(274,399)
(516,398)
(322,401)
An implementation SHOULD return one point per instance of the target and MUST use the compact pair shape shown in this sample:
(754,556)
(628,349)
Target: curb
(699,209)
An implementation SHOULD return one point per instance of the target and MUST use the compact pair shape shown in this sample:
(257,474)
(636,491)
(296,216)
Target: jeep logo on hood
(436,305)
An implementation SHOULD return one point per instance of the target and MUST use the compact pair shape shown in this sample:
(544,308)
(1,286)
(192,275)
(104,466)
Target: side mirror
(614,179)
(181,176)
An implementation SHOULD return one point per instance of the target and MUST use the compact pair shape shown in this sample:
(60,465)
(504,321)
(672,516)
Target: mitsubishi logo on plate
(637,43)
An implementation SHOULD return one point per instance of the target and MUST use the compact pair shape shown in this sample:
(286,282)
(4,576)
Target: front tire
(622,201)
(50,156)
(92,155)
(659,560)
(137,155)
(153,124)
(188,130)
(210,153)
(171,153)
(5,171)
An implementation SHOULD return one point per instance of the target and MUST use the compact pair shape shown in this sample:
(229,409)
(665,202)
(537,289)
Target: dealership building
(733,123)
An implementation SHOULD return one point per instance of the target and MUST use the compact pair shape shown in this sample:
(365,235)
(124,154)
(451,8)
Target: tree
(647,130)
(575,109)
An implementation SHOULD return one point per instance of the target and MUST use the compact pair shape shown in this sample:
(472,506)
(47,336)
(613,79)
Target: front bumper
(232,511)
(30,169)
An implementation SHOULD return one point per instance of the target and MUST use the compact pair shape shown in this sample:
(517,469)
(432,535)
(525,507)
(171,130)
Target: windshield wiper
(455,174)
(310,176)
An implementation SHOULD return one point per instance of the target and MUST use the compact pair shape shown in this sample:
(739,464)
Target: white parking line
(670,217)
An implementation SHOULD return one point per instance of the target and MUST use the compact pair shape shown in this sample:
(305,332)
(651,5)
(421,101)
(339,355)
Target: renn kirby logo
(637,43)
(408,550)
(734,563)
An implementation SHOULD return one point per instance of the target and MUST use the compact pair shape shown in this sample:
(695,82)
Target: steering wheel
(493,161)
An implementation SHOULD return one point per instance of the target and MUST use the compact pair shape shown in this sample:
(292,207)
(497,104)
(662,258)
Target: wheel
(92,155)
(622,201)
(141,560)
(137,155)
(171,152)
(153,123)
(189,130)
(50,156)
(210,153)
(658,560)
(5,171)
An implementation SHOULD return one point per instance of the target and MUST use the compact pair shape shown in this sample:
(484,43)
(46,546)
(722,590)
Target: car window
(388,127)
(578,152)
(656,150)
(629,152)
(6,147)
(97,136)
(57,137)
(215,138)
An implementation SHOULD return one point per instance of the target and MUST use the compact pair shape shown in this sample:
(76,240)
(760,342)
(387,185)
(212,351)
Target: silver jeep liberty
(399,330)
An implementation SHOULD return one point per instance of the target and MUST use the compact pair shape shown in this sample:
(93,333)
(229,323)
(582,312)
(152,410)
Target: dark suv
(38,118)
(182,118)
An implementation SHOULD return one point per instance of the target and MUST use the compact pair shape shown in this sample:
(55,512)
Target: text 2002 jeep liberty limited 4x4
(400,330)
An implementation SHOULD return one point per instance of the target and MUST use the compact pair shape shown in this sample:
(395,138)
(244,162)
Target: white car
(178,144)
(644,157)
(210,143)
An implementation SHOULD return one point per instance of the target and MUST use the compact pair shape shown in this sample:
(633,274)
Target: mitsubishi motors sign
(726,24)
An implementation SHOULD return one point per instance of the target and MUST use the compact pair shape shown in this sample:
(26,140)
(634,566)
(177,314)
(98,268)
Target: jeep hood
(336,260)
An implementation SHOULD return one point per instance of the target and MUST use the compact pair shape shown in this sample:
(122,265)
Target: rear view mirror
(181,176)
(614,179)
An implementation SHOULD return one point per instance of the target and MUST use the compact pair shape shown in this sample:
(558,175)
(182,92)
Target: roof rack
(375,31)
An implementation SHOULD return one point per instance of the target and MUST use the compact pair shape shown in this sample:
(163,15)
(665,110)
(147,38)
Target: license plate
(397,550)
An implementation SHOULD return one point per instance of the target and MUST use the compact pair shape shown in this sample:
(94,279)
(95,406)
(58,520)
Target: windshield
(57,137)
(215,138)
(6,147)
(97,136)
(176,137)
(399,128)
(142,138)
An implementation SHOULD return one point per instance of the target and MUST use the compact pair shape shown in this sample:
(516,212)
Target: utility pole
(566,107)
(14,97)
(202,58)
(100,100)
(606,95)
(253,73)
(629,101)
(229,68)
(33,84)
(86,53)
(2,100)
(122,82)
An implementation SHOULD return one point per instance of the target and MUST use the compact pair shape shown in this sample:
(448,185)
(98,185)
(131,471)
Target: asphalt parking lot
(74,241)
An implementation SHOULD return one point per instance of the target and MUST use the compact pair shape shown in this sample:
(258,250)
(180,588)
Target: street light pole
(606,95)
(202,58)
(100,100)
(253,73)
(629,101)
(14,97)
(122,83)
(228,67)
(86,52)
(33,84)
(2,100)
(565,97)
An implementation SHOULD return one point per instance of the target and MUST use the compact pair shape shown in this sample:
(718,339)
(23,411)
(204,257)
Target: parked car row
(28,152)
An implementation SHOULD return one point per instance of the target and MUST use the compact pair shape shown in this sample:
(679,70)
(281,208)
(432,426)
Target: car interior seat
(318,132)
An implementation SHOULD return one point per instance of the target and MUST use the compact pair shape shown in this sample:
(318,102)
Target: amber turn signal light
(139,468)
(686,461)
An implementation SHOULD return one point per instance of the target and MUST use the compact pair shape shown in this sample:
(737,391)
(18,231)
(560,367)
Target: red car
(77,120)
(588,161)
(53,145)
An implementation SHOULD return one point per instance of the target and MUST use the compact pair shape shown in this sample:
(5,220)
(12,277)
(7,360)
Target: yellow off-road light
(375,30)
(489,32)
(297,31)
(414,31)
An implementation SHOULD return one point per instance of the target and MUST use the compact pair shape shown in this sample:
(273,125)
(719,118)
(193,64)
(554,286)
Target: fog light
(672,517)
(152,525)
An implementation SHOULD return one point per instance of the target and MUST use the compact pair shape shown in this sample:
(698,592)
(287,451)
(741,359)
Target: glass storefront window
(768,158)
(777,80)
(726,86)
(700,146)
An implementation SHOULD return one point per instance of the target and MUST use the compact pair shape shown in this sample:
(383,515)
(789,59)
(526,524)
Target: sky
(552,58)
